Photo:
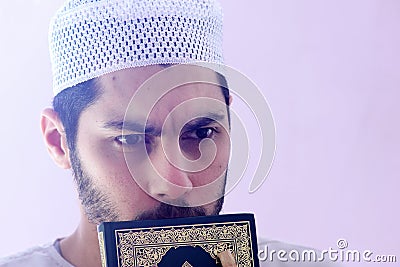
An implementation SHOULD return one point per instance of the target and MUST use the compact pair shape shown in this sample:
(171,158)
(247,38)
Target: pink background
(330,72)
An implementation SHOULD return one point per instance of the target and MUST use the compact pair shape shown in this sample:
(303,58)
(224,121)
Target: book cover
(179,242)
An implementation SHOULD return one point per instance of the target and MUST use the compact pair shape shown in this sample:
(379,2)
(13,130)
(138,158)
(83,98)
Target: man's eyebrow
(131,126)
(203,121)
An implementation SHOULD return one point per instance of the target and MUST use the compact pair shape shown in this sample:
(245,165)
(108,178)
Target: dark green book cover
(179,242)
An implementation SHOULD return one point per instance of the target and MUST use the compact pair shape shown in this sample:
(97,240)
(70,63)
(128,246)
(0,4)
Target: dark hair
(71,102)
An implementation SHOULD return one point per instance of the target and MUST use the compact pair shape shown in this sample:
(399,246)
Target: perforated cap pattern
(89,38)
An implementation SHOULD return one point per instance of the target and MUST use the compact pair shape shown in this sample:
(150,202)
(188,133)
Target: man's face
(138,172)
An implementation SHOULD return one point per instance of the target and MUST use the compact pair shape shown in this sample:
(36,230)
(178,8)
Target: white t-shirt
(49,256)
(41,256)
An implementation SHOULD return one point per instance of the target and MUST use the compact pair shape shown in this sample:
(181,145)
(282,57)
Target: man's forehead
(138,93)
(157,80)
(178,111)
(138,75)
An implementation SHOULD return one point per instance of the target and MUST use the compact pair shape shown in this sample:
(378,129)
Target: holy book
(179,242)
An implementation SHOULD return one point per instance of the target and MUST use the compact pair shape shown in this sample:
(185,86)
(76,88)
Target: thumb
(226,259)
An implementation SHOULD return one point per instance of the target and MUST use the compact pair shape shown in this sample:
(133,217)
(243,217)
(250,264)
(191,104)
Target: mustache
(166,211)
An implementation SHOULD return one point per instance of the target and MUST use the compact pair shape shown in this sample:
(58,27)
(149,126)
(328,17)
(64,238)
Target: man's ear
(230,100)
(55,138)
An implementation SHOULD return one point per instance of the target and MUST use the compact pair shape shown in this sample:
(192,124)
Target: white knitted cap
(89,38)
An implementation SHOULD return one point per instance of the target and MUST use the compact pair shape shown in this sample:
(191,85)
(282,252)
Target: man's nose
(170,183)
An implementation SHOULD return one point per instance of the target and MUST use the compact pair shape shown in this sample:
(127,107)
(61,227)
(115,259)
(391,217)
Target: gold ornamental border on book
(102,249)
(147,246)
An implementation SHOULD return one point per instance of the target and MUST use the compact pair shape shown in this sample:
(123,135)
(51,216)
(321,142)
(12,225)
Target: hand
(226,259)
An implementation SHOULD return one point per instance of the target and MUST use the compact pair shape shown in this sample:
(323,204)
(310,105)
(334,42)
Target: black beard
(166,211)
(99,208)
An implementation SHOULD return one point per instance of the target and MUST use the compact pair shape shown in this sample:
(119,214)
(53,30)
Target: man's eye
(204,133)
(130,139)
(201,133)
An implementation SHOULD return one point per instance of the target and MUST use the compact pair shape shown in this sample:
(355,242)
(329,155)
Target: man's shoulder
(43,256)
(268,251)
(274,253)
